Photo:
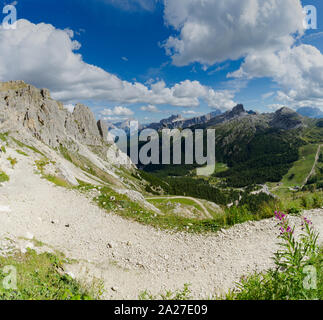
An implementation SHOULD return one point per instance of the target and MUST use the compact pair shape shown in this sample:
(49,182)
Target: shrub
(317,202)
(178,295)
(3,176)
(41,164)
(4,136)
(294,211)
(305,202)
(13,161)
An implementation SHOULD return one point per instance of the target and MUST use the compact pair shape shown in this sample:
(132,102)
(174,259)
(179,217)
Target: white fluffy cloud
(220,99)
(268,95)
(149,108)
(45,56)
(298,71)
(213,31)
(260,31)
(117,111)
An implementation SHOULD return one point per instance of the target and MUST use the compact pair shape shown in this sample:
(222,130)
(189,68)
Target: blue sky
(133,41)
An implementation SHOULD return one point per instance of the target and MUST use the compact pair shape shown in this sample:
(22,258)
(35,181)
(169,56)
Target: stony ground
(127,256)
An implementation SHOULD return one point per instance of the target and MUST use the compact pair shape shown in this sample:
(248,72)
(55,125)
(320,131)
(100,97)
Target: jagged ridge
(34,109)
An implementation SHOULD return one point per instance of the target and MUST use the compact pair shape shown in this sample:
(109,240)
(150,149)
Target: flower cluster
(307,221)
(280,216)
(285,228)
(298,250)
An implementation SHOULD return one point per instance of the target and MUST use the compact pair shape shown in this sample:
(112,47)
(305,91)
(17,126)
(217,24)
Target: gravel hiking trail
(131,258)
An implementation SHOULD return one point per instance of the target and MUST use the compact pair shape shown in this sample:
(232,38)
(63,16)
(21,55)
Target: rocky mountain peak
(285,111)
(286,119)
(12,85)
(238,109)
(172,119)
(24,106)
(87,125)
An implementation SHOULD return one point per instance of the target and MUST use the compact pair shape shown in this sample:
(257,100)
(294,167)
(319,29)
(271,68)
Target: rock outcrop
(22,105)
(286,119)
(86,125)
(103,129)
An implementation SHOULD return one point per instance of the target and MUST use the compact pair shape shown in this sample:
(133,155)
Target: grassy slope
(185,202)
(41,277)
(220,167)
(301,168)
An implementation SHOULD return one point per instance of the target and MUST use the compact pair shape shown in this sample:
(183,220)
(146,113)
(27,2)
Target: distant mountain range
(178,122)
(310,112)
(257,147)
(285,119)
(173,122)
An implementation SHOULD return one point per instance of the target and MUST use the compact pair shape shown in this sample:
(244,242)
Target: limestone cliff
(22,105)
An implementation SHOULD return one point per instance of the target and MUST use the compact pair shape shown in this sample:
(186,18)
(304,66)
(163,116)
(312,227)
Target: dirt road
(314,165)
